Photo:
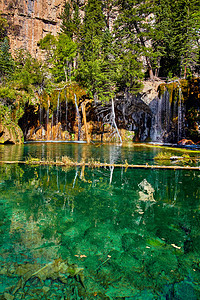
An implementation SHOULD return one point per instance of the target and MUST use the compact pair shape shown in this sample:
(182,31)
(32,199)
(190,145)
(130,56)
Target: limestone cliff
(31,20)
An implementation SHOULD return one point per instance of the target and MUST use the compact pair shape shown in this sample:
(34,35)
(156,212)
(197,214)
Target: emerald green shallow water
(70,233)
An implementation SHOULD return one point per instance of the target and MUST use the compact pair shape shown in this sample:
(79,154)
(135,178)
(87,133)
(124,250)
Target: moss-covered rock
(11,133)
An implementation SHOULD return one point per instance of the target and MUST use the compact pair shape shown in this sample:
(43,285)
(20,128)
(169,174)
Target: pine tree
(176,34)
(71,20)
(6,60)
(93,71)
(134,28)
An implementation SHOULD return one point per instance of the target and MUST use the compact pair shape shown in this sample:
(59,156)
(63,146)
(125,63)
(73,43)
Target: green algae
(126,247)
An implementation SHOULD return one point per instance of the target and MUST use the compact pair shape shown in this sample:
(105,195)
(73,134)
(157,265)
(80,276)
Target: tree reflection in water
(134,233)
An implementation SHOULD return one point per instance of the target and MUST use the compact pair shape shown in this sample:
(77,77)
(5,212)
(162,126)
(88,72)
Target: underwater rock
(184,290)
(8,296)
(147,191)
(58,269)
(132,241)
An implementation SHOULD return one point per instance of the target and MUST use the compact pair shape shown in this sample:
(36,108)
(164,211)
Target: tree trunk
(113,120)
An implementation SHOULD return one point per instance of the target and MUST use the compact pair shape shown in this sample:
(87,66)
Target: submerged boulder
(11,133)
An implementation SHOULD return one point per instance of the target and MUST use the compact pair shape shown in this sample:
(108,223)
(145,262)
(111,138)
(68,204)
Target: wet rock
(129,263)
(121,291)
(11,133)
(161,261)
(185,142)
(131,240)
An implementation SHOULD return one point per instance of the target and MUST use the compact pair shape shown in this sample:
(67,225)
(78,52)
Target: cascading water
(58,118)
(156,126)
(58,109)
(78,117)
(40,114)
(66,110)
(181,117)
(52,127)
(168,119)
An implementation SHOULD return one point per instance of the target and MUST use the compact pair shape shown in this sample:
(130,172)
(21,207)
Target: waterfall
(156,126)
(58,109)
(78,117)
(47,123)
(58,135)
(168,122)
(47,117)
(66,110)
(40,114)
(180,117)
(52,127)
(40,119)
(167,115)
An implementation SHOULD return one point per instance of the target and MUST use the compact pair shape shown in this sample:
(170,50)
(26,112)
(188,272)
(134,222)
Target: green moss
(173,91)
(161,89)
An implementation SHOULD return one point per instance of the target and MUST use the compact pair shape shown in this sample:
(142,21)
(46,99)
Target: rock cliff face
(31,20)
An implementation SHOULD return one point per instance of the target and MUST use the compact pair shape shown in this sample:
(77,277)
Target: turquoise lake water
(75,233)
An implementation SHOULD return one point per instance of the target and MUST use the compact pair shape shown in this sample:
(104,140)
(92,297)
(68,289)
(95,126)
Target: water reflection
(109,153)
(11,152)
(136,235)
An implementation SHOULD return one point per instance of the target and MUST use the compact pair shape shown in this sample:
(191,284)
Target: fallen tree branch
(114,123)
(97,164)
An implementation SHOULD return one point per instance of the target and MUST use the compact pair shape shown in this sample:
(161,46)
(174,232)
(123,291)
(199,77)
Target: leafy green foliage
(103,56)
(60,53)
(29,72)
(26,80)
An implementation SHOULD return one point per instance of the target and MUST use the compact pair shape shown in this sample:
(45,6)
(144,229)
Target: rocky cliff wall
(31,20)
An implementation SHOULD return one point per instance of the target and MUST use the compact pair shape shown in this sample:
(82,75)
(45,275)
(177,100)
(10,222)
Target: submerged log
(96,164)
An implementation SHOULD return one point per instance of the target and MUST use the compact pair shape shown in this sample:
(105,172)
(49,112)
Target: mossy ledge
(11,134)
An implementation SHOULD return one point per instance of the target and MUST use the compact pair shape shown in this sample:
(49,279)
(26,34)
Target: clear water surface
(79,233)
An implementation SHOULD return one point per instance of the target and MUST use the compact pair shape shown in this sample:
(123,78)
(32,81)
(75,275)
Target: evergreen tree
(134,30)
(93,71)
(6,60)
(176,34)
(71,20)
(29,73)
